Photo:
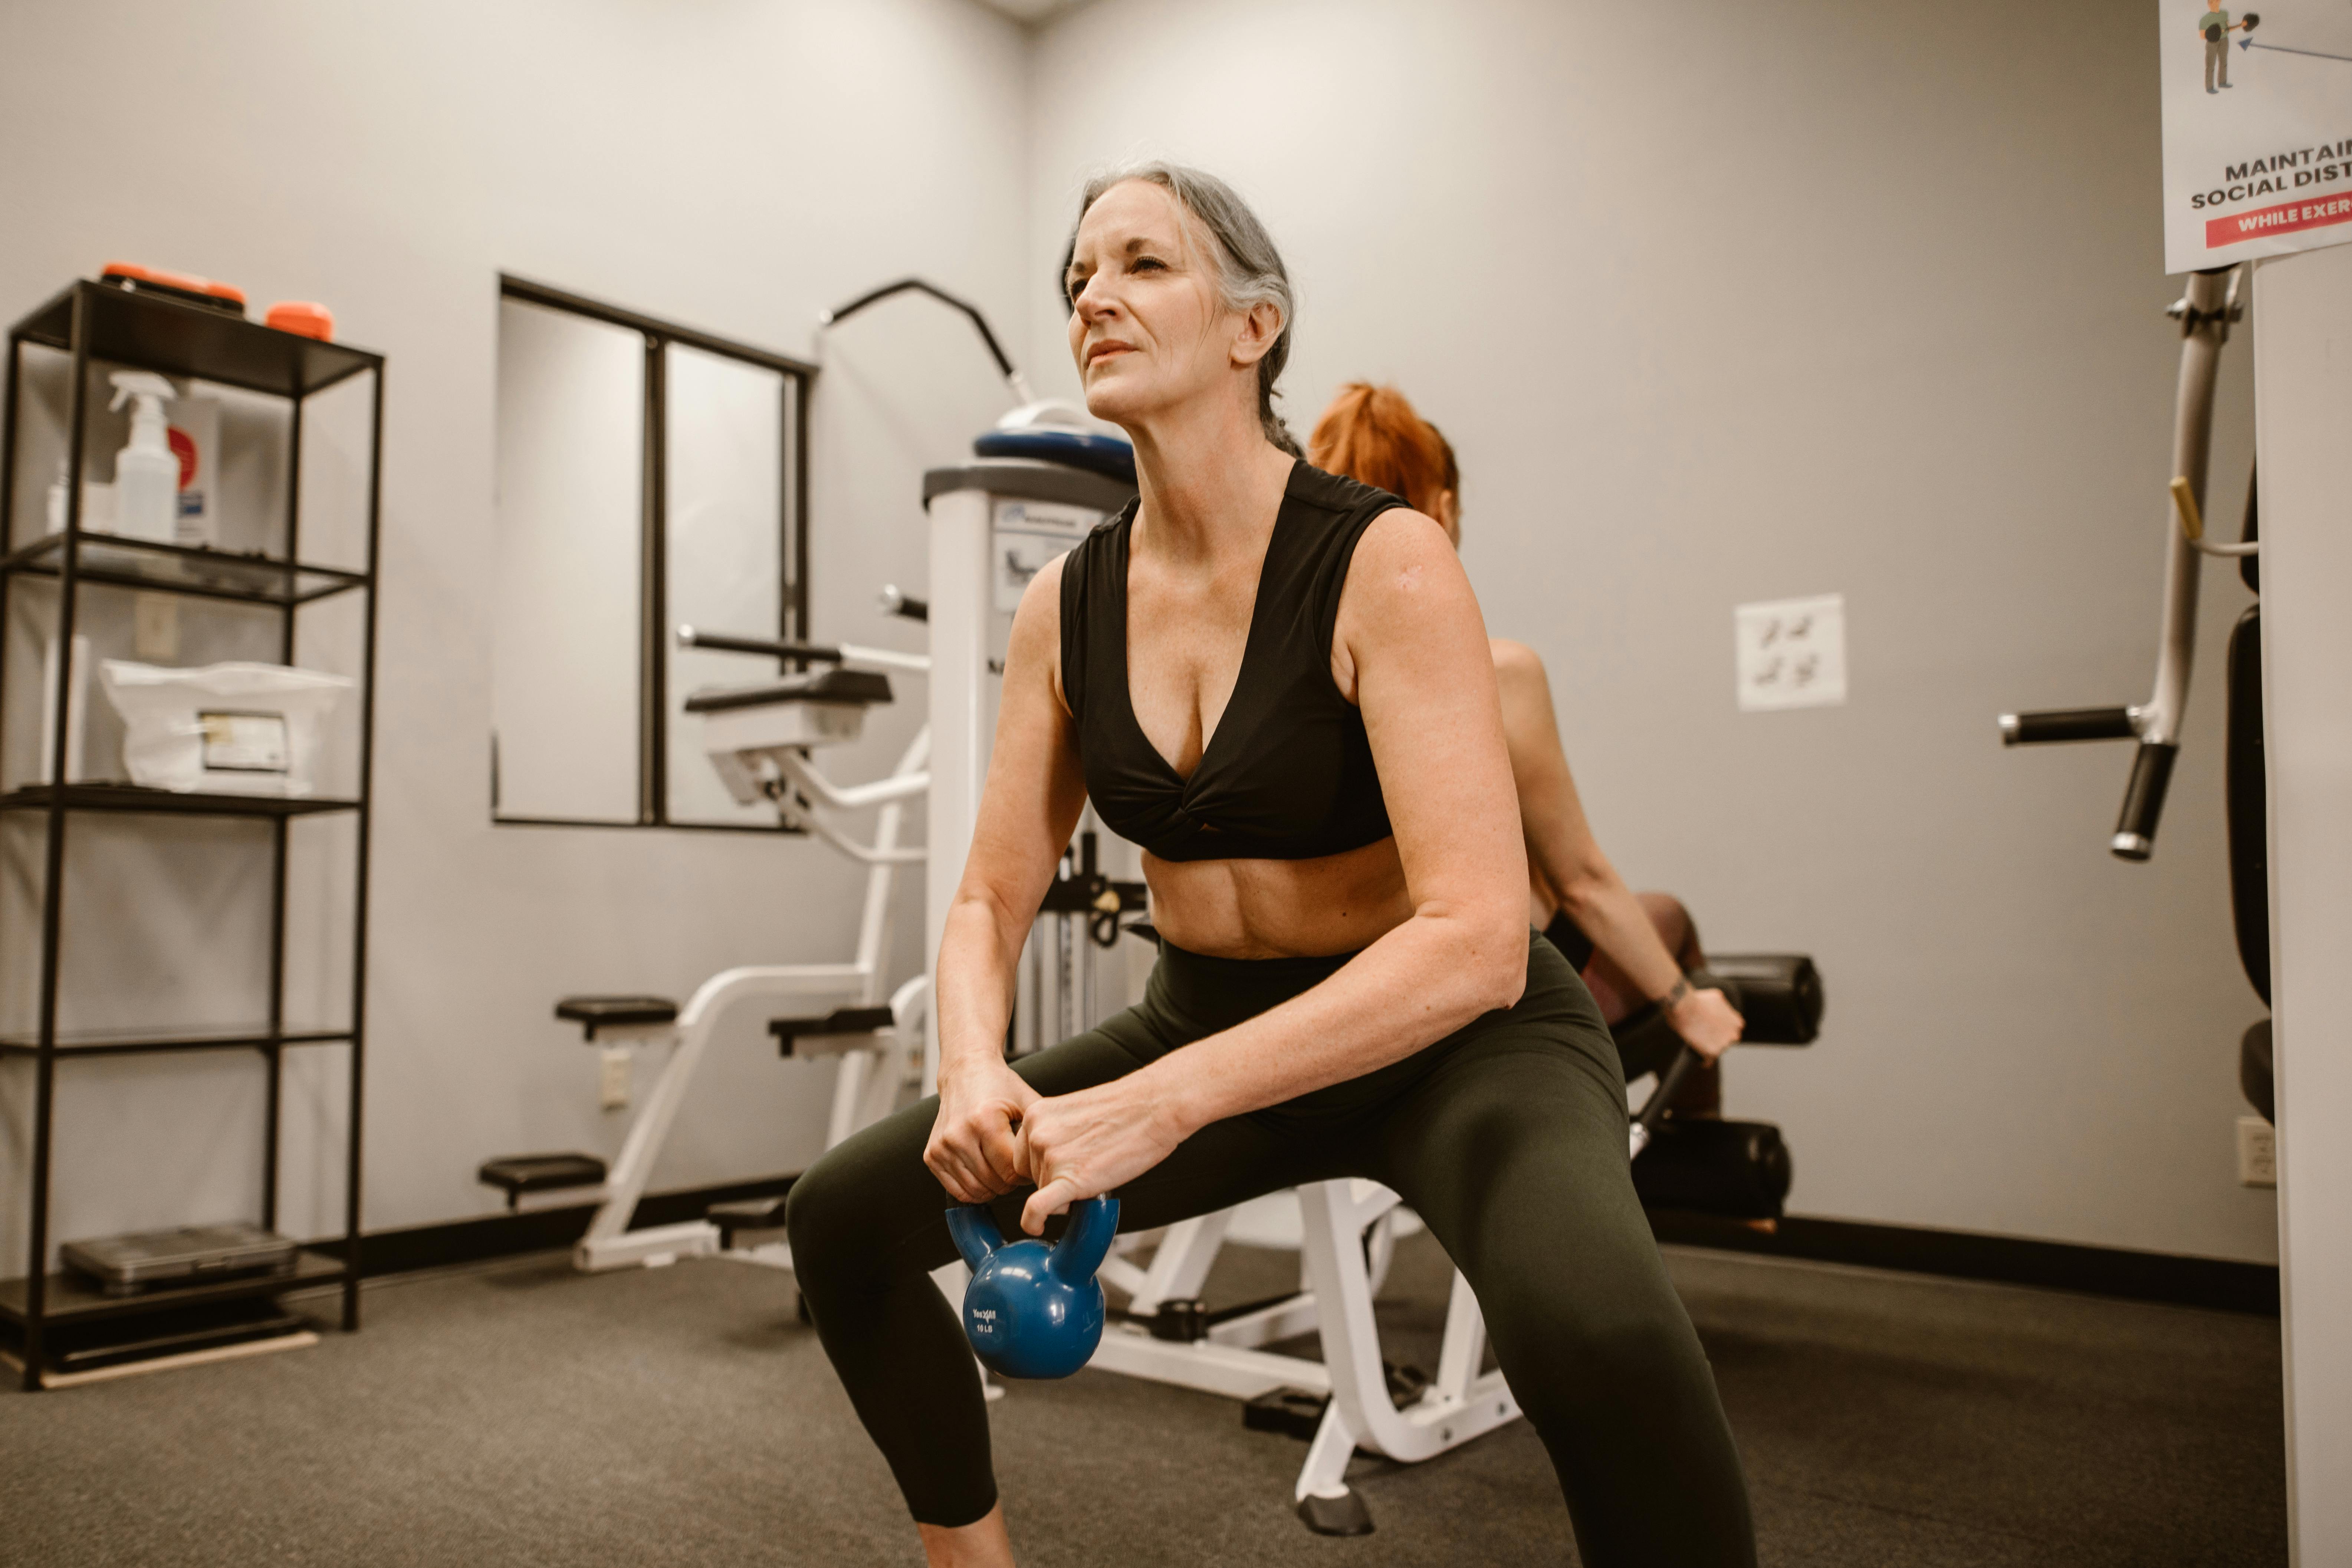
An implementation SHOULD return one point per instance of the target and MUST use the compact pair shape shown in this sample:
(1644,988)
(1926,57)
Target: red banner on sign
(2283,218)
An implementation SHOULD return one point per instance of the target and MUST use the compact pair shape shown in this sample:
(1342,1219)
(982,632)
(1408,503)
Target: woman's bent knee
(819,1212)
(869,1205)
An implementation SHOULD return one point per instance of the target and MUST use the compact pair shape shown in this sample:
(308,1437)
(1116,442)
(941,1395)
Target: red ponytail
(1371,435)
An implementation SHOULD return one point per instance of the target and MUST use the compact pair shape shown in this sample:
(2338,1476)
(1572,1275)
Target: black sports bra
(1287,774)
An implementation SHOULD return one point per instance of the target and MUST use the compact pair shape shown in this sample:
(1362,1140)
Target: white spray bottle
(146,472)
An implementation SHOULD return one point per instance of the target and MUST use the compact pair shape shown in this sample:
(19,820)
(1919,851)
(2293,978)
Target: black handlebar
(995,349)
(906,605)
(2066,724)
(1653,1109)
(2135,837)
(719,642)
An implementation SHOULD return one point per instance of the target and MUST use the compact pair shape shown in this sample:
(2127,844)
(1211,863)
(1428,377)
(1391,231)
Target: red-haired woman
(1632,948)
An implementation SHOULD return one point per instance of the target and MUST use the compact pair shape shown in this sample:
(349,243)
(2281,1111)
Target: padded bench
(517,1175)
(840,1021)
(617,1014)
(740,1214)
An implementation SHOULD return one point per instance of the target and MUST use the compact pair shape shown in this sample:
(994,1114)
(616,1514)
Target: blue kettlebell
(1034,1310)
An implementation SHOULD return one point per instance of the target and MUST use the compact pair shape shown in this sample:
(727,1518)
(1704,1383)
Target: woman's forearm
(1422,981)
(976,967)
(1606,910)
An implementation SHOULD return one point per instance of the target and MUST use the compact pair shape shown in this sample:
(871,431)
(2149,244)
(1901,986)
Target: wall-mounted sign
(1790,653)
(2257,129)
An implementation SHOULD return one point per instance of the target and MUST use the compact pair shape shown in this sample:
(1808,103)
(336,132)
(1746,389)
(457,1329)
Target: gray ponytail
(1249,269)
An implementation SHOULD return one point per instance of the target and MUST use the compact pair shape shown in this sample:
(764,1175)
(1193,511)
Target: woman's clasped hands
(995,1133)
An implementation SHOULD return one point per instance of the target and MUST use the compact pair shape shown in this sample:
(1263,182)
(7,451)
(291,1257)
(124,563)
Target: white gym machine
(760,739)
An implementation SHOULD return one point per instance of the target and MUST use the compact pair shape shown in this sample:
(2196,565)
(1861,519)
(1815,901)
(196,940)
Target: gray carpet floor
(525,1415)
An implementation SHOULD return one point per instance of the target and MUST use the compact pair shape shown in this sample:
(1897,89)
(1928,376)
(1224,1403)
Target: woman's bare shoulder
(1037,627)
(1400,555)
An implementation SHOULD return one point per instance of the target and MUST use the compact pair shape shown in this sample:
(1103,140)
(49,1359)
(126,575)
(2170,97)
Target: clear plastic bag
(223,728)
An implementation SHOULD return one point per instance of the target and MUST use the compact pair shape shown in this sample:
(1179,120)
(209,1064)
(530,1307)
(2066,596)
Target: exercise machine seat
(739,1214)
(840,1021)
(515,1174)
(592,1013)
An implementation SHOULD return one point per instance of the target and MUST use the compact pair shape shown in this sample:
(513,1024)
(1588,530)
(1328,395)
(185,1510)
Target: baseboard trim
(493,1236)
(2213,1282)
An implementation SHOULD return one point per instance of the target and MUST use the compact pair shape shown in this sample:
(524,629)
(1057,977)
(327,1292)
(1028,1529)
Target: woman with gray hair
(1276,681)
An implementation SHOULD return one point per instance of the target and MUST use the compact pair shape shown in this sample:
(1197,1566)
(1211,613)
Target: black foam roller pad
(1739,1170)
(1778,994)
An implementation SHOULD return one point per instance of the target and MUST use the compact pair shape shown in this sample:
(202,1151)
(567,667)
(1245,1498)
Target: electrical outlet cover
(613,1078)
(2257,1152)
(155,627)
(1790,653)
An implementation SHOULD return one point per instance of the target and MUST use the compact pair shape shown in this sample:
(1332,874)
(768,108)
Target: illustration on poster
(2257,150)
(2215,27)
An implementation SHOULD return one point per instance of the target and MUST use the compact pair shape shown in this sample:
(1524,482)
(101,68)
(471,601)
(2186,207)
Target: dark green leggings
(1509,1139)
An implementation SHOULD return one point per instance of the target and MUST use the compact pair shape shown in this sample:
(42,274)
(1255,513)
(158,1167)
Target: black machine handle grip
(2066,724)
(2151,772)
(720,642)
(1653,1109)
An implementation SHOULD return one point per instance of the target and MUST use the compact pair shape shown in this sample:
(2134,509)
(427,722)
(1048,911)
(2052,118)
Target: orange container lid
(186,282)
(302,317)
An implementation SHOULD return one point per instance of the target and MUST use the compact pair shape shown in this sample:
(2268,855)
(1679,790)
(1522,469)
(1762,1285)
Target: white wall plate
(1792,653)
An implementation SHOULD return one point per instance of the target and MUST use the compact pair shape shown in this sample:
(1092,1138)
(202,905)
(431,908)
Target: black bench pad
(515,1174)
(746,1214)
(840,1021)
(616,1012)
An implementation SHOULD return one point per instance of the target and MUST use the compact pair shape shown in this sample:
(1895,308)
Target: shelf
(154,333)
(168,803)
(146,1042)
(181,569)
(72,1298)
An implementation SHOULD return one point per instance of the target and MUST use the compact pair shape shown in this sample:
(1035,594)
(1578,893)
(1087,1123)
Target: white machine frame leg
(1181,1266)
(1460,1405)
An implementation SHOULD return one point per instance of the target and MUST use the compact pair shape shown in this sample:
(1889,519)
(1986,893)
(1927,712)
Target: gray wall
(1720,303)
(1724,302)
(736,168)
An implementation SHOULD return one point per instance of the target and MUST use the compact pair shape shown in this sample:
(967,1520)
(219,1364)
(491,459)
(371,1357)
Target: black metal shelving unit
(99,322)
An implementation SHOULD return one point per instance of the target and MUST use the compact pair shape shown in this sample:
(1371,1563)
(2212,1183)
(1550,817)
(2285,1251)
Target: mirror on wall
(645,477)
(570,472)
(726,565)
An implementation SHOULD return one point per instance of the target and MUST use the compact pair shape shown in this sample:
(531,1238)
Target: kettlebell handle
(976,1233)
(1093,1222)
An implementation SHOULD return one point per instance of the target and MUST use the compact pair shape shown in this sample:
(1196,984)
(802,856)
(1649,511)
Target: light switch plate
(2257,1152)
(155,627)
(613,1078)
(1790,653)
